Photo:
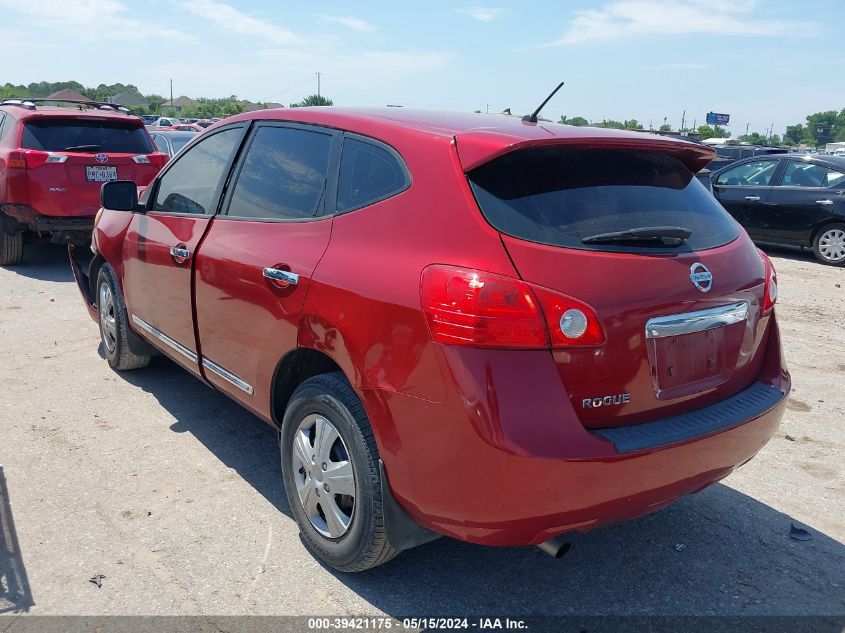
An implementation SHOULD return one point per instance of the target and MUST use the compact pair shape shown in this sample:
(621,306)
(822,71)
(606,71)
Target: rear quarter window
(81,135)
(559,196)
(368,173)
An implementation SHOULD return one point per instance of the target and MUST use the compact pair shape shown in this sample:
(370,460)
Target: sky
(764,62)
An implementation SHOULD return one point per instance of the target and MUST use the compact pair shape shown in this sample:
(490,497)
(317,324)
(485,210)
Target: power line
(286,90)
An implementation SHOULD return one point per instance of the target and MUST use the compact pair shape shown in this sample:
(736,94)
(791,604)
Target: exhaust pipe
(555,547)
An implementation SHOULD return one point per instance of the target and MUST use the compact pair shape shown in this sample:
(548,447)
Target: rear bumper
(505,461)
(35,221)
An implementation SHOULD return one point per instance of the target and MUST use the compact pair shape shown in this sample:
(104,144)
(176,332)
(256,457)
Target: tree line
(820,128)
(205,108)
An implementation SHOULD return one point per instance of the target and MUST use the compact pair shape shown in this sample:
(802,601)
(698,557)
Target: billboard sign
(714,118)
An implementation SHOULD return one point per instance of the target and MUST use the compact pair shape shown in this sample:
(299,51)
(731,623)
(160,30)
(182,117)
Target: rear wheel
(829,245)
(331,475)
(113,324)
(11,248)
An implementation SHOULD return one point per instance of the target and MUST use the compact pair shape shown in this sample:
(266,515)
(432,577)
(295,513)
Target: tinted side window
(190,185)
(810,175)
(283,176)
(758,173)
(368,173)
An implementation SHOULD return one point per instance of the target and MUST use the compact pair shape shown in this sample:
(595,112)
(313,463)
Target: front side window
(368,173)
(283,176)
(192,183)
(799,174)
(161,144)
(568,197)
(757,173)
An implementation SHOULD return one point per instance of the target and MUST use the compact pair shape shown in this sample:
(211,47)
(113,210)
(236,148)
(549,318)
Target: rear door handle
(281,278)
(753,198)
(180,254)
(824,203)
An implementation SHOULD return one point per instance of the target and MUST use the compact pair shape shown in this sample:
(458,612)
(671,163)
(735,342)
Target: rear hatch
(69,158)
(600,222)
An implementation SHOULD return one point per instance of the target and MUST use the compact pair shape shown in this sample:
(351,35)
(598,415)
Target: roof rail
(30,102)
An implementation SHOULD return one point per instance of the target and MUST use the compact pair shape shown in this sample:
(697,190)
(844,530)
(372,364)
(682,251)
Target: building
(129,100)
(69,95)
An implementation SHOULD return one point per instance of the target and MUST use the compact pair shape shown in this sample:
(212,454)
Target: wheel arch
(294,368)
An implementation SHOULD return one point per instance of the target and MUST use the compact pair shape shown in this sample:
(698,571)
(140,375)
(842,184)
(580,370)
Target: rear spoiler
(477,147)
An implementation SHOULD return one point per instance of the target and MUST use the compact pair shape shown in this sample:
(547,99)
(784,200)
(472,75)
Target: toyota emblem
(700,277)
(101,158)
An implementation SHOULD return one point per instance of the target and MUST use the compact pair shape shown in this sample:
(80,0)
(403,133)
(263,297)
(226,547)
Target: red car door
(161,243)
(255,264)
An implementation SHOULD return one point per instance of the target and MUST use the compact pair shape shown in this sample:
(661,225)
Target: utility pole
(488,108)
(746,128)
(318,84)
(683,120)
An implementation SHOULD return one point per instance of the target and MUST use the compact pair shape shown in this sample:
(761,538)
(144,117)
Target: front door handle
(179,253)
(282,278)
(824,203)
(753,198)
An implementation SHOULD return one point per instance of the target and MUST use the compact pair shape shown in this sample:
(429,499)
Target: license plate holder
(100,173)
(689,363)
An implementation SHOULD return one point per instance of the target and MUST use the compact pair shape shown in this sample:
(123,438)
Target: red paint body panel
(246,324)
(503,423)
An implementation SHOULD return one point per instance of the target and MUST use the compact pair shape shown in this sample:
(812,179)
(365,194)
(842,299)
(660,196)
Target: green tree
(313,100)
(632,124)
(795,134)
(712,132)
(577,121)
(155,102)
(665,128)
(822,127)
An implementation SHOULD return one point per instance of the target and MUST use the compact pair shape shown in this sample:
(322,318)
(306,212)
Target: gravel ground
(173,493)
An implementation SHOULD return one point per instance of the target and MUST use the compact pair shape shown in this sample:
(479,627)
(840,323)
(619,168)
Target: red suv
(53,161)
(462,325)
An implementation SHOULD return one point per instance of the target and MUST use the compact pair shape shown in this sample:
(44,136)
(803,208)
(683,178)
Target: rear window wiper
(82,148)
(666,235)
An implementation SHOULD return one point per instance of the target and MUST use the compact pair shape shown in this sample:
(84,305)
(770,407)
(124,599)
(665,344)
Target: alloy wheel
(324,477)
(832,245)
(108,325)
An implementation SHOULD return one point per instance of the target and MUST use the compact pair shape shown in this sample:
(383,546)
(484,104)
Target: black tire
(818,249)
(11,249)
(364,545)
(114,339)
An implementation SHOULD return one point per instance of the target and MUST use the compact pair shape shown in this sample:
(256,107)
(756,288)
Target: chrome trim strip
(161,336)
(227,375)
(698,321)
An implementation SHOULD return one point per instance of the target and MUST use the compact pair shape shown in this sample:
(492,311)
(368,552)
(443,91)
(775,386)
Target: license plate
(100,173)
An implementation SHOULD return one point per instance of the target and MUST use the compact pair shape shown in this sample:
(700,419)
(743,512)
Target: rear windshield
(561,196)
(80,135)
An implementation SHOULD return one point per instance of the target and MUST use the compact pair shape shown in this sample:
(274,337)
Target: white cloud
(356,24)
(93,19)
(481,14)
(230,19)
(629,18)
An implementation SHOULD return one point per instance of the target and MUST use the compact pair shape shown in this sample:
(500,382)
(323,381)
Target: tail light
(480,309)
(770,290)
(32,159)
(156,159)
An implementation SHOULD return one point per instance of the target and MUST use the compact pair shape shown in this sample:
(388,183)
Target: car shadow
(717,552)
(15,593)
(43,261)
(795,253)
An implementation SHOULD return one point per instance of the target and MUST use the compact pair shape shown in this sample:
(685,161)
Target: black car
(788,199)
(171,141)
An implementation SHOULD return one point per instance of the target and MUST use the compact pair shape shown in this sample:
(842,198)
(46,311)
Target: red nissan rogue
(467,325)
(53,161)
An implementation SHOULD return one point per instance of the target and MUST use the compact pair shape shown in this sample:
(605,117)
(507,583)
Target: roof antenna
(532,118)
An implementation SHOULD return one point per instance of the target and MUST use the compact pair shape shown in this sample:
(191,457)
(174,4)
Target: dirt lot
(172,492)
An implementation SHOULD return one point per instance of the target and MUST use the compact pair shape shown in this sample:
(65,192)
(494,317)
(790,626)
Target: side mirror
(119,195)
